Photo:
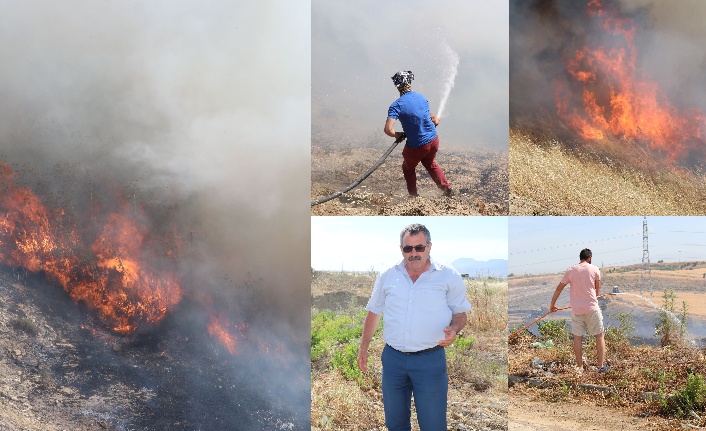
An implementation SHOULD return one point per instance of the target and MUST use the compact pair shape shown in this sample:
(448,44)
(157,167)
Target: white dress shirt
(416,313)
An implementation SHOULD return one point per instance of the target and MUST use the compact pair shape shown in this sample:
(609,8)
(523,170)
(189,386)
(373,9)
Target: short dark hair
(585,254)
(414,229)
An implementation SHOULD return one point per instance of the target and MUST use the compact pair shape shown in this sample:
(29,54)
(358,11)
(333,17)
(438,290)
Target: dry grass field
(641,374)
(477,370)
(550,177)
(479,180)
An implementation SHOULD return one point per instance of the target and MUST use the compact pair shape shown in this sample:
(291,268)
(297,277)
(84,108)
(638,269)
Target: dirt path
(527,415)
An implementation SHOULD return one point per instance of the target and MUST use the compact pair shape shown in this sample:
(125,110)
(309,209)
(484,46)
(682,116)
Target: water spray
(671,315)
(450,71)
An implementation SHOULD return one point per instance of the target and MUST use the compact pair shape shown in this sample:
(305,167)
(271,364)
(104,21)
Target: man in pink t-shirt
(586,316)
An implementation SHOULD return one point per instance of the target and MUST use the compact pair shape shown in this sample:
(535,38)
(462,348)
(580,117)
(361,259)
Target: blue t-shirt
(412,109)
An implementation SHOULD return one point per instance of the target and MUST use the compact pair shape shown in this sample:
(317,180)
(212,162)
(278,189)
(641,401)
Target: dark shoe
(449,192)
(604,369)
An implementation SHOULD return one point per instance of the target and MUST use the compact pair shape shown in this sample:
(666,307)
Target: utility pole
(645,259)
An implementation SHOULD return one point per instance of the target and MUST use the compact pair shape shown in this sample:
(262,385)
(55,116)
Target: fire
(227,333)
(610,97)
(110,273)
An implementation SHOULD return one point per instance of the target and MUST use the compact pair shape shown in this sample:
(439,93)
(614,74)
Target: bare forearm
(390,128)
(458,321)
(557,292)
(369,327)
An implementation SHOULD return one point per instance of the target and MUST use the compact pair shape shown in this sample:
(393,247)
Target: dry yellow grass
(336,404)
(547,177)
(489,300)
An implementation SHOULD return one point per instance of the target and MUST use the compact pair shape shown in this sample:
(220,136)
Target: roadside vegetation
(664,382)
(343,398)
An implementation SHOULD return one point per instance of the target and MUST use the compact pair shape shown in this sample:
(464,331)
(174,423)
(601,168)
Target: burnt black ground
(173,375)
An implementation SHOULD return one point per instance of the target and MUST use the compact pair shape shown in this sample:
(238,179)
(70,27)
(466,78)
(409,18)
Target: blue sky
(552,244)
(362,243)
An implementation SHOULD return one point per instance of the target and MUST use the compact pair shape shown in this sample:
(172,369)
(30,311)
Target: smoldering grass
(25,325)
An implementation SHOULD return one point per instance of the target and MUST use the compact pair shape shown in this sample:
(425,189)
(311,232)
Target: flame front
(610,97)
(227,333)
(112,275)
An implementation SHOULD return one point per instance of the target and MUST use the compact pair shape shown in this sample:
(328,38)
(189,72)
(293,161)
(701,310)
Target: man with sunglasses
(424,304)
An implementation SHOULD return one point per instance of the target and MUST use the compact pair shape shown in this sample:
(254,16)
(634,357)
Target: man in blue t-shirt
(419,125)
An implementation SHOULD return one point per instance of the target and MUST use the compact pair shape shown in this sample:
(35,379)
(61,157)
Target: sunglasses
(418,248)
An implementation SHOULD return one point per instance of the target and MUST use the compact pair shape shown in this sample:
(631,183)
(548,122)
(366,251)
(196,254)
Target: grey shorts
(591,322)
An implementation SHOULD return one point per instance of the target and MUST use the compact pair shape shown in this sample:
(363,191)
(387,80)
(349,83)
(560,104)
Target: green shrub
(345,359)
(667,326)
(624,331)
(460,345)
(556,330)
(464,343)
(329,329)
(689,399)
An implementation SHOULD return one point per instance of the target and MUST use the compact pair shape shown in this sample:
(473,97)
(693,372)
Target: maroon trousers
(425,154)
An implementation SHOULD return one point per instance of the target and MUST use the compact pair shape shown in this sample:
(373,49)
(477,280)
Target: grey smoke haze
(358,46)
(204,105)
(669,41)
(211,98)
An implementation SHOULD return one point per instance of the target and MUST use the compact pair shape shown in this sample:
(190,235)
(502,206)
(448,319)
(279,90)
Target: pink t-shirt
(582,294)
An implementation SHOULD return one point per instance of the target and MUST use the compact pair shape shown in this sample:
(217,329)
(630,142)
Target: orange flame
(614,99)
(115,279)
(227,333)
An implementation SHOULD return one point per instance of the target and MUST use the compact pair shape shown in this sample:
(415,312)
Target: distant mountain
(474,268)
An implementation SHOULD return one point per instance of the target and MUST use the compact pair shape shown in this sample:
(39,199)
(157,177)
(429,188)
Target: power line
(678,231)
(557,227)
(569,258)
(574,244)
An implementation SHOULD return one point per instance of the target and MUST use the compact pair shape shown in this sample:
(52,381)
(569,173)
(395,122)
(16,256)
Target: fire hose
(362,177)
(547,313)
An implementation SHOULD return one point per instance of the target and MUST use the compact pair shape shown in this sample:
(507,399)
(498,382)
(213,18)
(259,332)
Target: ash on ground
(61,370)
(479,180)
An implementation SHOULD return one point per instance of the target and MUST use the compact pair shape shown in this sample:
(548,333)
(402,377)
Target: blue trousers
(421,374)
